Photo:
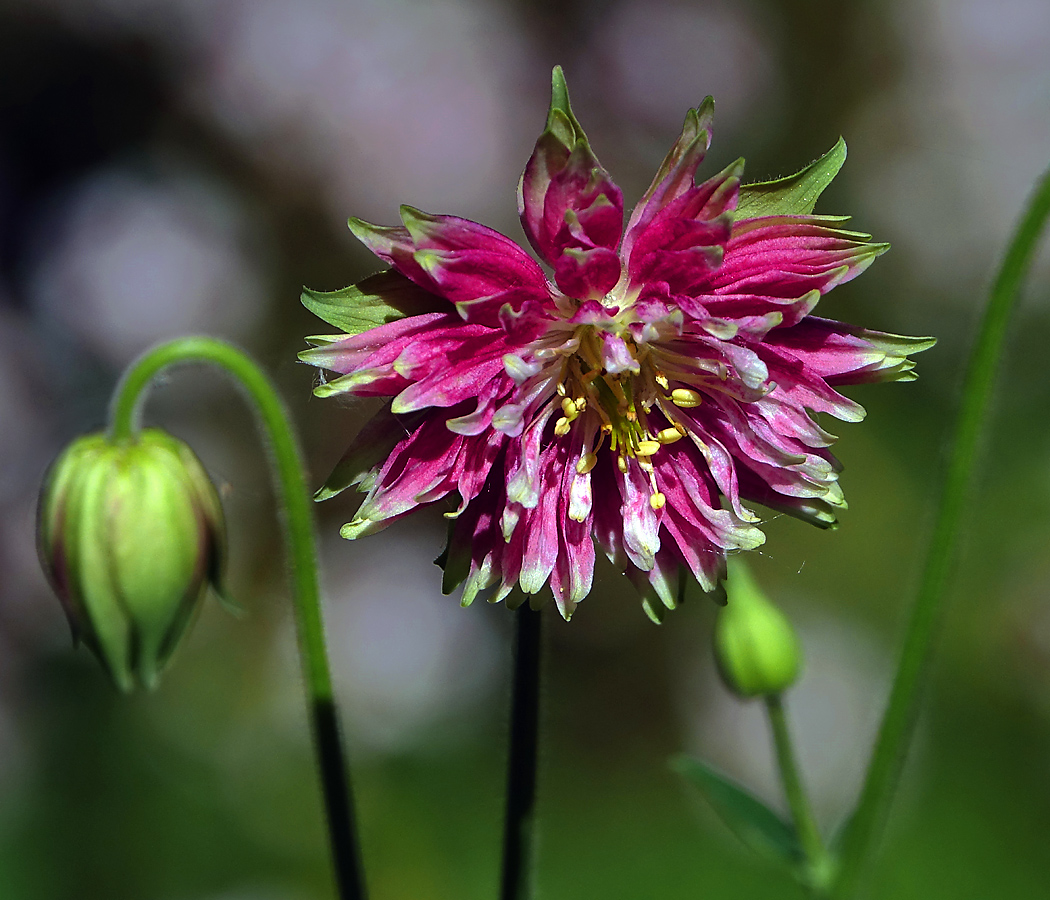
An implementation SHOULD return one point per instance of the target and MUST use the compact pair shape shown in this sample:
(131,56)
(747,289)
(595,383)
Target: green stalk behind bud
(130,533)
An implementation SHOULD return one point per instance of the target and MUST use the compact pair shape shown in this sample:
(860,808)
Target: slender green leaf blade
(898,722)
(744,814)
(794,195)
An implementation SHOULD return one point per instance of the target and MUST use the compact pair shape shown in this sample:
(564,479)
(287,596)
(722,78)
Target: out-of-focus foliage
(171,166)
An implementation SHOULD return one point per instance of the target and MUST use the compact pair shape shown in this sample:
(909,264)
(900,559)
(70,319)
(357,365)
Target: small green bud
(756,648)
(130,533)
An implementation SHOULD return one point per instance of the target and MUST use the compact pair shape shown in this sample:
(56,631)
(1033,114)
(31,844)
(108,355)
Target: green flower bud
(756,648)
(130,533)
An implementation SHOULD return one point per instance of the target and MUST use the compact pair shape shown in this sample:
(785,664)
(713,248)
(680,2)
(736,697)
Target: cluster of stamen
(622,403)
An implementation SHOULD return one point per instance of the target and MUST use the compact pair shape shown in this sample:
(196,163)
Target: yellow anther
(585,463)
(661,380)
(669,435)
(647,448)
(569,408)
(581,404)
(621,464)
(561,388)
(685,397)
(562,426)
(657,501)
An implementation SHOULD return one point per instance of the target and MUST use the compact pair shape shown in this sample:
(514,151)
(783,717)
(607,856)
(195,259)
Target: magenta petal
(475,538)
(523,462)
(616,357)
(475,267)
(472,266)
(574,569)
(685,240)
(542,542)
(591,312)
(677,172)
(844,354)
(641,523)
(736,306)
(526,323)
(562,181)
(451,386)
(565,198)
(348,354)
(587,273)
(418,467)
(786,257)
(473,465)
(704,558)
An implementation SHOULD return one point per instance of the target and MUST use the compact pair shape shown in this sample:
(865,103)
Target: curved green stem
(795,792)
(899,719)
(294,501)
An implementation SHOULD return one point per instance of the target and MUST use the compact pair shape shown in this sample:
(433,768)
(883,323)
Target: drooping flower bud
(130,533)
(757,650)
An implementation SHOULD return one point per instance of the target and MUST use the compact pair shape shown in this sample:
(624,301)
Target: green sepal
(688,150)
(560,118)
(814,510)
(367,451)
(793,195)
(754,823)
(379,299)
(454,562)
(654,609)
(562,125)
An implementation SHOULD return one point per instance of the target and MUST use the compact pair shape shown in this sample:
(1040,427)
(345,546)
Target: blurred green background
(174,166)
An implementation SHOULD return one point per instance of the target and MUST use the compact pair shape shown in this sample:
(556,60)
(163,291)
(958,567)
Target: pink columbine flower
(663,377)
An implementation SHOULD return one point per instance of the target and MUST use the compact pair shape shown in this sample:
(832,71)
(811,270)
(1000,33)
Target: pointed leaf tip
(373,301)
(793,195)
(560,112)
(560,92)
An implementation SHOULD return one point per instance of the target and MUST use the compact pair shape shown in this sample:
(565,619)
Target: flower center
(611,387)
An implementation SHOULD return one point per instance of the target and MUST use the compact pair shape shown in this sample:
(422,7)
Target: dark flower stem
(518,834)
(294,502)
(898,721)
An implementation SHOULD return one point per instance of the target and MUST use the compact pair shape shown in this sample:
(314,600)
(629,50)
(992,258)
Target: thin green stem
(294,501)
(898,721)
(791,779)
